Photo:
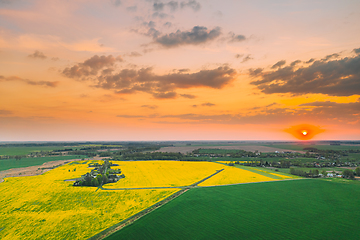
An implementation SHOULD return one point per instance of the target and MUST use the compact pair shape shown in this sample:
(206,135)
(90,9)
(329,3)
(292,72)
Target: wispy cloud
(30,82)
(197,35)
(37,54)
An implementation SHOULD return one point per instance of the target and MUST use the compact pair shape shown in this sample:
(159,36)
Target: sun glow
(304,131)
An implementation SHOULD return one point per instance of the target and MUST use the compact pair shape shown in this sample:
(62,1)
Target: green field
(299,209)
(6,164)
(12,151)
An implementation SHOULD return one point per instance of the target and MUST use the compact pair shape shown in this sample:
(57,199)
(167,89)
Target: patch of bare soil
(33,170)
(250,148)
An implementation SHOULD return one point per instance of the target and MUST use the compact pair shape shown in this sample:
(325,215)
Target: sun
(304,131)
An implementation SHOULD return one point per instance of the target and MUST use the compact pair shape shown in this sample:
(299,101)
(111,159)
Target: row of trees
(350,174)
(299,172)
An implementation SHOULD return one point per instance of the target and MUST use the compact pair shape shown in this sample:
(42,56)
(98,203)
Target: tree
(99,177)
(324,173)
(349,174)
(95,182)
(357,171)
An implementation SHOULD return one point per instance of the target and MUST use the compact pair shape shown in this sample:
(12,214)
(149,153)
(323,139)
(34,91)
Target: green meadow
(298,209)
(12,151)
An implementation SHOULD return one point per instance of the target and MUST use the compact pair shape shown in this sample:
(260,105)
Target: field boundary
(107,232)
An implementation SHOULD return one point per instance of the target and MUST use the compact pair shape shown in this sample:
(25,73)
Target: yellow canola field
(233,175)
(162,173)
(46,207)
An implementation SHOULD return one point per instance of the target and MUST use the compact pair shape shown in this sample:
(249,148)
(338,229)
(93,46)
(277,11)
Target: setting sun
(301,134)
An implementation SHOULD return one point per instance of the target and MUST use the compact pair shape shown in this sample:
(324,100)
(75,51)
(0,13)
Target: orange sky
(178,70)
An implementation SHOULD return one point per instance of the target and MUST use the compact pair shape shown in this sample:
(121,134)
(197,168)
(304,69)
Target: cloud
(278,64)
(134,54)
(311,60)
(317,104)
(239,55)
(158,6)
(338,77)
(208,104)
(6,1)
(164,95)
(55,58)
(30,82)
(150,24)
(167,24)
(255,72)
(150,106)
(132,8)
(5,112)
(130,81)
(356,50)
(37,54)
(334,55)
(347,112)
(236,38)
(159,15)
(294,63)
(271,104)
(247,58)
(191,4)
(190,96)
(91,66)
(197,35)
(173,5)
(131,116)
(116,3)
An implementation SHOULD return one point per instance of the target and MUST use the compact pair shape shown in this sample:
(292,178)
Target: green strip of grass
(299,209)
(6,164)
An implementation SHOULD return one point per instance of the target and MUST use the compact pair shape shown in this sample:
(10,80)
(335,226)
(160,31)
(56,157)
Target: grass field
(46,207)
(301,209)
(12,151)
(6,164)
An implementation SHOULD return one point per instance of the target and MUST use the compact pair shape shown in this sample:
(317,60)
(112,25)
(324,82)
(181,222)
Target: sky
(150,70)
